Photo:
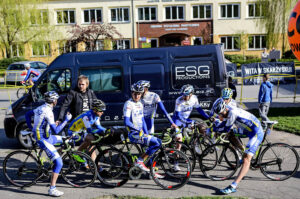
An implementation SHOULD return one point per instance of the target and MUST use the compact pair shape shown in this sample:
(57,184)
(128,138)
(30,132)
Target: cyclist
(183,108)
(137,128)
(85,121)
(251,128)
(43,119)
(150,100)
(31,76)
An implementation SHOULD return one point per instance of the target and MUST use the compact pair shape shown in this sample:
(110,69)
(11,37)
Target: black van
(112,72)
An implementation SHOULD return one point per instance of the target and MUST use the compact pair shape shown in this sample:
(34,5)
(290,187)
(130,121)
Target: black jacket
(74,101)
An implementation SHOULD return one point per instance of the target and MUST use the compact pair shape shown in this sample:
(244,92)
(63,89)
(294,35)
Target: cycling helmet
(98,105)
(187,89)
(145,83)
(137,87)
(27,65)
(51,96)
(227,93)
(219,106)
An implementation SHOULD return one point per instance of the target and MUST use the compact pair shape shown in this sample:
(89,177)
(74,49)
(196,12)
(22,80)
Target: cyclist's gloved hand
(68,116)
(22,82)
(109,131)
(191,124)
(211,119)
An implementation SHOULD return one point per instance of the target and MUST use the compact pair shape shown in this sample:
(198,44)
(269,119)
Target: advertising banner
(272,68)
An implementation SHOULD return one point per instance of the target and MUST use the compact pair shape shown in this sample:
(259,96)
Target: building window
(17,50)
(154,42)
(121,44)
(98,46)
(65,16)
(255,10)
(257,42)
(198,41)
(231,43)
(40,49)
(230,11)
(66,47)
(202,12)
(119,14)
(40,17)
(147,14)
(174,12)
(92,15)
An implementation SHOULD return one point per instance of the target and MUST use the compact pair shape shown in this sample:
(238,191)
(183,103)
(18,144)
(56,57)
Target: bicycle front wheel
(79,170)
(21,168)
(279,161)
(114,166)
(219,162)
(170,169)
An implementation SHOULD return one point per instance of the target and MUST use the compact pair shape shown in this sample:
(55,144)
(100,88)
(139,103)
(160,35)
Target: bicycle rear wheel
(114,167)
(21,168)
(79,170)
(279,161)
(21,92)
(163,171)
(219,162)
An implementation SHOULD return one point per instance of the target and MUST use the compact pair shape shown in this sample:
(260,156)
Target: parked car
(16,71)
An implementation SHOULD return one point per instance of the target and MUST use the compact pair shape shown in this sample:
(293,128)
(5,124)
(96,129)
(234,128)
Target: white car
(16,71)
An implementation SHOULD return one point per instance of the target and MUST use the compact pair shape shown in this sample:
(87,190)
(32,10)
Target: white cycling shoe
(55,192)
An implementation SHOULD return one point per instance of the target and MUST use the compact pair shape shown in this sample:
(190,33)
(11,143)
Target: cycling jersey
(137,128)
(84,122)
(248,125)
(34,73)
(150,101)
(184,108)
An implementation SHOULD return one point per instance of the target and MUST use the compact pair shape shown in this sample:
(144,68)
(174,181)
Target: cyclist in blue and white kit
(150,100)
(183,108)
(136,126)
(32,75)
(43,123)
(250,126)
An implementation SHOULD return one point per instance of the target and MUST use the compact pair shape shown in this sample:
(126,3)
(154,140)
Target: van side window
(151,72)
(56,80)
(104,79)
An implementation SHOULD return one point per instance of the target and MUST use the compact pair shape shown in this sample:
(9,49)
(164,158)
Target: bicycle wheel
(200,144)
(279,161)
(190,154)
(21,92)
(219,162)
(114,167)
(79,170)
(21,168)
(163,166)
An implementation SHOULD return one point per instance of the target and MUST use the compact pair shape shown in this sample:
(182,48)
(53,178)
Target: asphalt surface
(255,185)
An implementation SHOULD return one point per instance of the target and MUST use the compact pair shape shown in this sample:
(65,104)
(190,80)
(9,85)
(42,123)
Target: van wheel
(25,141)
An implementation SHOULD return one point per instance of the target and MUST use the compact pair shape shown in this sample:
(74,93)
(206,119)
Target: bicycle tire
(78,174)
(219,162)
(286,161)
(26,173)
(189,152)
(21,92)
(115,164)
(163,164)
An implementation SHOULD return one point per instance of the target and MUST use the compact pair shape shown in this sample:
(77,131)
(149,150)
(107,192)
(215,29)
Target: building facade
(153,23)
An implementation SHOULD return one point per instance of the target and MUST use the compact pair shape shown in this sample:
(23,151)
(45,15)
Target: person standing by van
(137,128)
(265,98)
(78,100)
(43,118)
(150,100)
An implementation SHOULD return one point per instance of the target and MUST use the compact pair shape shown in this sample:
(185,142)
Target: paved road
(255,185)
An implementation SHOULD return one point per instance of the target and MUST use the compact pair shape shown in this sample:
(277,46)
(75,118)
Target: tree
(90,35)
(21,21)
(275,15)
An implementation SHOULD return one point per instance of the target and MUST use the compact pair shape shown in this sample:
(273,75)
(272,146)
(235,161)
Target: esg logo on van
(192,72)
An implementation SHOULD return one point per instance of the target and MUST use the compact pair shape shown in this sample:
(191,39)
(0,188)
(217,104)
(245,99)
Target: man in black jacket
(78,100)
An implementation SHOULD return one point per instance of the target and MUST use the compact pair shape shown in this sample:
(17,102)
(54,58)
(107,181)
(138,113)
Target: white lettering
(179,70)
(191,70)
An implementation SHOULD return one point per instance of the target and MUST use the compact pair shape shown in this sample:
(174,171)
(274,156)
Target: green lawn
(288,118)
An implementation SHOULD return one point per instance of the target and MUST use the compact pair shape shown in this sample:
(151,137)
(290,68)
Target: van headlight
(9,111)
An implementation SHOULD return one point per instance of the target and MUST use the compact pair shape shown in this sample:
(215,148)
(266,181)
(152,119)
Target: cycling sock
(234,185)
(140,160)
(52,187)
